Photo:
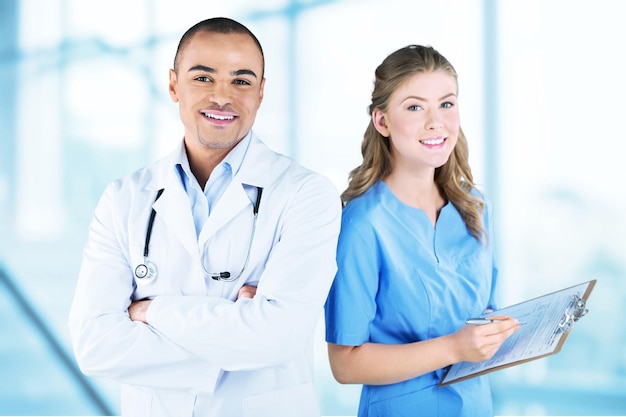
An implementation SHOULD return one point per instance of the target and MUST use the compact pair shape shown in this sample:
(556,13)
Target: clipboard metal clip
(572,314)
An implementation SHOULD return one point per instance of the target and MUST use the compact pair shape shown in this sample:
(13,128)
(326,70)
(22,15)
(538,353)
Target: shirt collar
(232,161)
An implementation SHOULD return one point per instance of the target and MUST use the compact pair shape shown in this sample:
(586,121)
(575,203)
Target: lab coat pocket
(135,402)
(288,402)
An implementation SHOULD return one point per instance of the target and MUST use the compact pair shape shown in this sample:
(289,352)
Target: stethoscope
(147,271)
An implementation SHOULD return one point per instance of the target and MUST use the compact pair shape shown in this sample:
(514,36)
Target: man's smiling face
(219,87)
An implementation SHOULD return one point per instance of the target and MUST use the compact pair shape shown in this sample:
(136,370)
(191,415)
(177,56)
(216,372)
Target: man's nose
(221,93)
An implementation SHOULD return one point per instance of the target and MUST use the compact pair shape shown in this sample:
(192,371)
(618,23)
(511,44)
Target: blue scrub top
(399,281)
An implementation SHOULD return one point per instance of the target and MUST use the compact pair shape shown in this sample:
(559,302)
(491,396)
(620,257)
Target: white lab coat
(203,354)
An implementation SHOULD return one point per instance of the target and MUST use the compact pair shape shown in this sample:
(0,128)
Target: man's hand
(137,310)
(247,291)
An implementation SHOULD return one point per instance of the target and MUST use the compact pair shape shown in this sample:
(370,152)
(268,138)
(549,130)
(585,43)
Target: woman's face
(421,121)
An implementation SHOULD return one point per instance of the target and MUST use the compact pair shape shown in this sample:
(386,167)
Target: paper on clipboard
(549,320)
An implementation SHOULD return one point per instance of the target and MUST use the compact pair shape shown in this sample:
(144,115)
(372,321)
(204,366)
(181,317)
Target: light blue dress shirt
(399,281)
(202,200)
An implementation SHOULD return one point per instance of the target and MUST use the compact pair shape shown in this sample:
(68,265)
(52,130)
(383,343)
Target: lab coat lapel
(228,206)
(254,171)
(260,167)
(174,209)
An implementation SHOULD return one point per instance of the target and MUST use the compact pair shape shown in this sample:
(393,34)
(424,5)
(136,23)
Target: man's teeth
(432,141)
(218,117)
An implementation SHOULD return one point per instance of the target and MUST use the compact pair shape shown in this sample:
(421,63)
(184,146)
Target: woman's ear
(378,119)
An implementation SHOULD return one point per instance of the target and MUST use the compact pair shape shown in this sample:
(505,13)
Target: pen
(482,320)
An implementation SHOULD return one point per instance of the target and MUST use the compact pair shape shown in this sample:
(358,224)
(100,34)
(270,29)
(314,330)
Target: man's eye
(241,82)
(203,78)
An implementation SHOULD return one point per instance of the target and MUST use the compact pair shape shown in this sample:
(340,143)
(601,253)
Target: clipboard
(549,320)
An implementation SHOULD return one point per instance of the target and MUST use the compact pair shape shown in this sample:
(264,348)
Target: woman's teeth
(437,141)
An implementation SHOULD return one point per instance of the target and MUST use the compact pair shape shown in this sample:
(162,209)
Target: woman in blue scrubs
(415,256)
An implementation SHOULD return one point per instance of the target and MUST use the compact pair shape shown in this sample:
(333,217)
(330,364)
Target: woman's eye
(447,105)
(415,107)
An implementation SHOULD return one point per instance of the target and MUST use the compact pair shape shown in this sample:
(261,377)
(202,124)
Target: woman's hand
(477,343)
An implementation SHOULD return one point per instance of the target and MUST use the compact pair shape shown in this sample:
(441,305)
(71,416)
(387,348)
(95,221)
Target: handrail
(53,342)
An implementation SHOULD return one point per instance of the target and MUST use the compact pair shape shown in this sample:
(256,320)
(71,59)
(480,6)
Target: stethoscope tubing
(150,224)
(226,276)
(148,270)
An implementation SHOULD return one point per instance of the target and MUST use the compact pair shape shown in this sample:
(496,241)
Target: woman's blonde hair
(454,178)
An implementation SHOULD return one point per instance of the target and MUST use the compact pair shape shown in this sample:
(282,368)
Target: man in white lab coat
(205,273)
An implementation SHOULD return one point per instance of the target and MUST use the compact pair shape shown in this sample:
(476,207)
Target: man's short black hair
(222,25)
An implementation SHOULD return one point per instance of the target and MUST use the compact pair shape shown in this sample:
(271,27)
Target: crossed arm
(138,309)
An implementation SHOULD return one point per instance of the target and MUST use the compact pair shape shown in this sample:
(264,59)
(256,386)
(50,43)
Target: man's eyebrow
(244,72)
(202,68)
(213,71)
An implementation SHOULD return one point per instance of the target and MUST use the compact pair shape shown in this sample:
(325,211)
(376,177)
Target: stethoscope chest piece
(145,272)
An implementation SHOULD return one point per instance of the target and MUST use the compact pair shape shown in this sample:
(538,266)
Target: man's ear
(173,88)
(378,119)
(261,90)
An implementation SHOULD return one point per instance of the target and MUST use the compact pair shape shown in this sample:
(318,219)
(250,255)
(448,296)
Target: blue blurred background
(83,99)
